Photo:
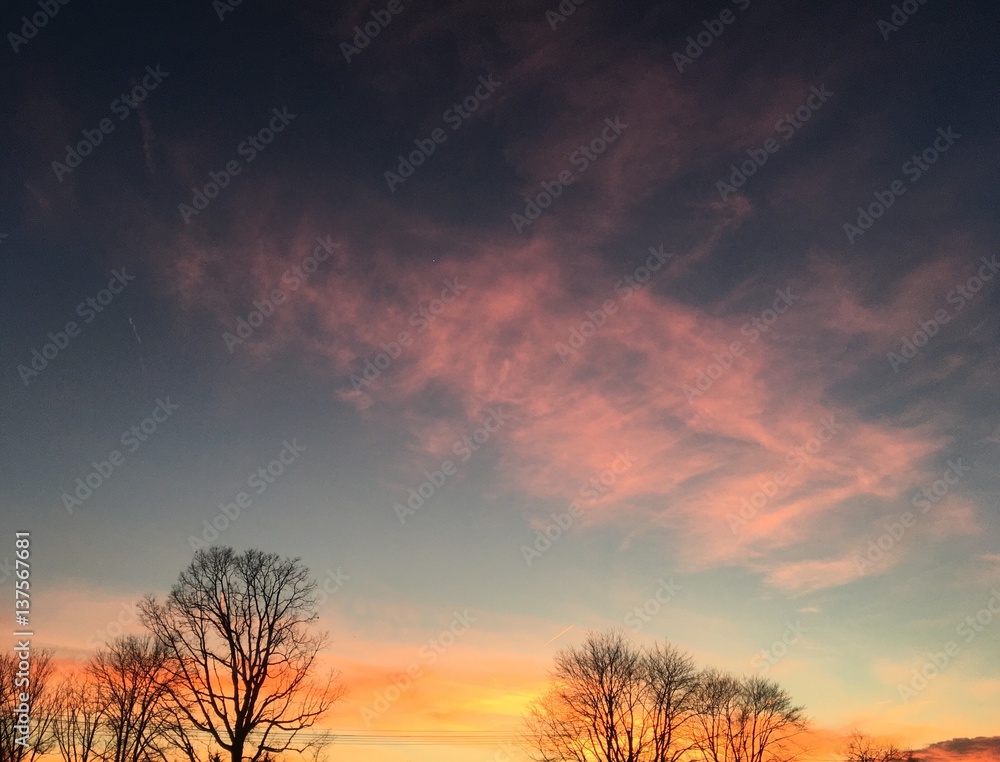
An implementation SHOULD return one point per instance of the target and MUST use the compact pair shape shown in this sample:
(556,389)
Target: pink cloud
(629,386)
(496,343)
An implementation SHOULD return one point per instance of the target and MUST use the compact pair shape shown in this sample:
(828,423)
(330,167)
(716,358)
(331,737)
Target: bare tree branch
(78,720)
(40,692)
(861,748)
(241,655)
(132,684)
(613,702)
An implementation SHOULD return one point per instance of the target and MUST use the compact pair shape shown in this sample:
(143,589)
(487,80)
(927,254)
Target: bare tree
(185,739)
(39,690)
(590,713)
(671,681)
(861,748)
(770,721)
(235,628)
(716,706)
(319,752)
(614,702)
(77,721)
(132,682)
(748,719)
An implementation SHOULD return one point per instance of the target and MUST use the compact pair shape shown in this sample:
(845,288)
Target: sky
(515,323)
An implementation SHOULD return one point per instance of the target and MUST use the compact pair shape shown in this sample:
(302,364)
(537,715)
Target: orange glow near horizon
(481,688)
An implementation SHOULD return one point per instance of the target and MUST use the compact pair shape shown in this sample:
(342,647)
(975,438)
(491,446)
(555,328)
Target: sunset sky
(544,323)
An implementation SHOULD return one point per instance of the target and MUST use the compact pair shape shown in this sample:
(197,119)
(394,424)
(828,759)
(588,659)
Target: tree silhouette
(749,719)
(611,701)
(40,699)
(671,683)
(593,711)
(235,628)
(78,720)
(862,748)
(132,683)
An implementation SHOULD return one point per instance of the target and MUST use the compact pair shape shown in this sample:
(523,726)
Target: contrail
(560,634)
(134,331)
